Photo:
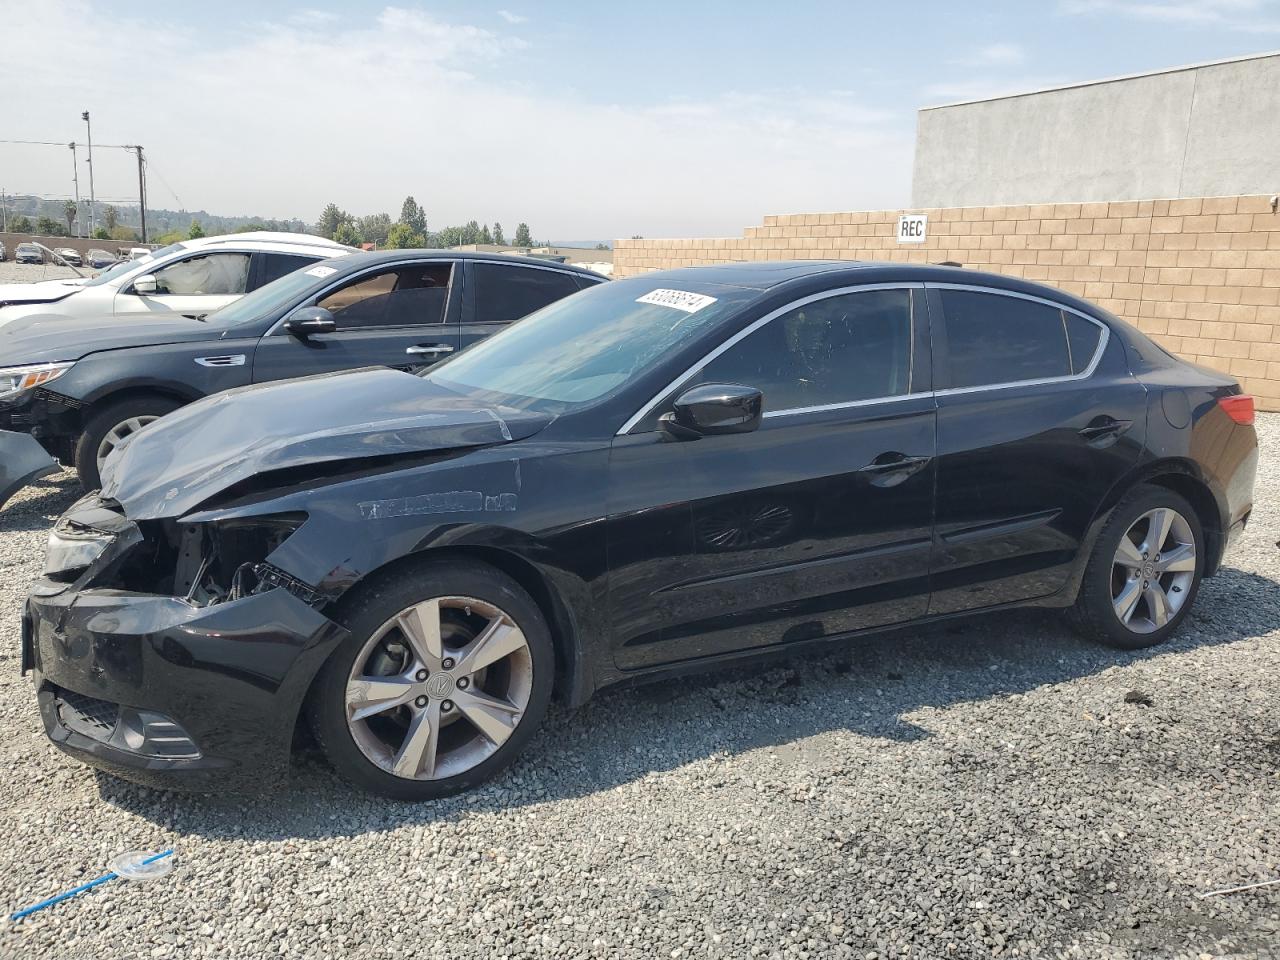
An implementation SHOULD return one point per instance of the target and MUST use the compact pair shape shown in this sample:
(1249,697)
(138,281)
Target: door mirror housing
(309,321)
(713,408)
(146,285)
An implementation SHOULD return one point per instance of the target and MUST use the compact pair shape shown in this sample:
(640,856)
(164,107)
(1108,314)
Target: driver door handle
(890,469)
(430,349)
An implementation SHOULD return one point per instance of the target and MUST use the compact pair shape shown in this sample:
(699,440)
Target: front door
(396,316)
(193,286)
(1038,417)
(816,524)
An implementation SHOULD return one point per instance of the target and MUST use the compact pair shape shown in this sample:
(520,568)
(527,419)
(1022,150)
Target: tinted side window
(214,274)
(276,265)
(855,346)
(997,339)
(508,293)
(406,296)
(1082,341)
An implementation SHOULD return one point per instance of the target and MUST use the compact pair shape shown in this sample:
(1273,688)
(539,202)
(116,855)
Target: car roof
(373,257)
(270,239)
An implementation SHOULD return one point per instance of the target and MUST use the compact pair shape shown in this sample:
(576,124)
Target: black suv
(80,387)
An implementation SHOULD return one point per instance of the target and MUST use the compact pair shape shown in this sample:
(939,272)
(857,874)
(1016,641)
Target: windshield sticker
(321,272)
(678,299)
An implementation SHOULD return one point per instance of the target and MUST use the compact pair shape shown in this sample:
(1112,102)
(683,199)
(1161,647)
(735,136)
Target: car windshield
(585,347)
(272,296)
(126,266)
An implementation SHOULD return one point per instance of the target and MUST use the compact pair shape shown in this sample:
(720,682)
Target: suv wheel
(444,679)
(1144,572)
(108,428)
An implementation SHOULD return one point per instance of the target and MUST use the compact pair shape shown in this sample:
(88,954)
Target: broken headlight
(226,559)
(71,550)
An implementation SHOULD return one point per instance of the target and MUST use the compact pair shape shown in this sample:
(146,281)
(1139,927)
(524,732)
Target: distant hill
(159,220)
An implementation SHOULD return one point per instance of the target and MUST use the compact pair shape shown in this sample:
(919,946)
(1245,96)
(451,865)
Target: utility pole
(75,179)
(142,192)
(89,128)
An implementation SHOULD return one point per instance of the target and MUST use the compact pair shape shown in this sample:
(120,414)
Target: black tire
(370,607)
(106,420)
(1093,614)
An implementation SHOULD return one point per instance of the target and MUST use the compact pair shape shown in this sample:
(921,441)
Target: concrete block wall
(1199,275)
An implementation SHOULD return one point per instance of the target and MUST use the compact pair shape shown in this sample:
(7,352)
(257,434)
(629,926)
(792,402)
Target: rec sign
(911,227)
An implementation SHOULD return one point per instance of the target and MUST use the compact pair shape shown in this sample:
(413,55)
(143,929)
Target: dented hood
(203,449)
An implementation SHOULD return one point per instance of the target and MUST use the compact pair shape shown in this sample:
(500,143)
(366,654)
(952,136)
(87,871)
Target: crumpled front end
(172,653)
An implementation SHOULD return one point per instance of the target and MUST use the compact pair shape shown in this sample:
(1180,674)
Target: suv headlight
(14,380)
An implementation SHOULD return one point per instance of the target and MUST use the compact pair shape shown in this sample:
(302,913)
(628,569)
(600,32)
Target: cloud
(1223,14)
(280,118)
(512,18)
(994,55)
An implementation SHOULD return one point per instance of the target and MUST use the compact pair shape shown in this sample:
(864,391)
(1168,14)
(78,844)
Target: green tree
(330,219)
(20,224)
(485,235)
(523,237)
(449,237)
(348,234)
(70,212)
(413,216)
(602,246)
(123,234)
(375,227)
(48,227)
(101,233)
(498,238)
(251,227)
(111,217)
(401,236)
(196,231)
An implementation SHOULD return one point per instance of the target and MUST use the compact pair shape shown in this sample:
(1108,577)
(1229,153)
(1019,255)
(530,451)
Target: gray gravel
(984,788)
(11,272)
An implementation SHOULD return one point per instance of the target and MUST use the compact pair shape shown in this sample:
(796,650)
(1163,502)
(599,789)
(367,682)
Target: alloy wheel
(439,687)
(117,434)
(1153,570)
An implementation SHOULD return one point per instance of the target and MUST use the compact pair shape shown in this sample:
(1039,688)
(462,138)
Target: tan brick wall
(1200,275)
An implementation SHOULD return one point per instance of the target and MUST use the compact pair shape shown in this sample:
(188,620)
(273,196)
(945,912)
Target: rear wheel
(445,678)
(1144,572)
(110,427)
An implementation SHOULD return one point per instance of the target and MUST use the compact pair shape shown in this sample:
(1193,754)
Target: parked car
(69,256)
(193,277)
(99,258)
(23,253)
(656,475)
(90,384)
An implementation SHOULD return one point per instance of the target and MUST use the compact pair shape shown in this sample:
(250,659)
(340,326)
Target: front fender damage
(22,461)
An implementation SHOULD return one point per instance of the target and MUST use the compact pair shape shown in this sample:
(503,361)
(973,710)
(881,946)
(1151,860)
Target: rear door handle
(430,349)
(890,469)
(1104,430)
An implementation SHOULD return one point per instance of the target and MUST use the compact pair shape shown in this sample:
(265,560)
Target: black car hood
(203,449)
(47,338)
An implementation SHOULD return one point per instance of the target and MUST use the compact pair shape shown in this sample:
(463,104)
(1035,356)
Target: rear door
(500,293)
(1038,417)
(268,266)
(397,315)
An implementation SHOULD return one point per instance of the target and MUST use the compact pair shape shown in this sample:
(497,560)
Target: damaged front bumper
(22,461)
(160,689)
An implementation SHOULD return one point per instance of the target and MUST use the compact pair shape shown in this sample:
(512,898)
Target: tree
(70,212)
(413,216)
(347,234)
(403,237)
(449,237)
(20,224)
(123,234)
(485,235)
(602,246)
(330,218)
(523,237)
(48,227)
(111,217)
(101,233)
(374,228)
(498,238)
(196,231)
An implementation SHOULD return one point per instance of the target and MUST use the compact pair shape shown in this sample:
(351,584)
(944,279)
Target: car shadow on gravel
(625,735)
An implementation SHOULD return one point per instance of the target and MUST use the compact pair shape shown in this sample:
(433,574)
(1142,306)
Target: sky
(587,121)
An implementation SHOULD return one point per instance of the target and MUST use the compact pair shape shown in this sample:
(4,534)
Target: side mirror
(713,408)
(145,285)
(308,321)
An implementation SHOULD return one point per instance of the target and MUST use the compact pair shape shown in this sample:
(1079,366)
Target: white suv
(194,277)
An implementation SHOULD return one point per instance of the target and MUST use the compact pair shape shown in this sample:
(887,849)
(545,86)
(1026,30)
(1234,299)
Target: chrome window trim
(822,408)
(1040,381)
(751,328)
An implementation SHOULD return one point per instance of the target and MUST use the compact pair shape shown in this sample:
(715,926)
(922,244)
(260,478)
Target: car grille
(87,715)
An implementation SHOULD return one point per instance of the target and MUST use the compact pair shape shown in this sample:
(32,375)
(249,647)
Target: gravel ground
(11,272)
(994,787)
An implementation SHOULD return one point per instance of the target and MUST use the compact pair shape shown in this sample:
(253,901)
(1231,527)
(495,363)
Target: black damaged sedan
(656,475)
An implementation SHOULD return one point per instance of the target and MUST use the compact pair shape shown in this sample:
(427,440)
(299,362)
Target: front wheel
(446,676)
(1144,572)
(110,427)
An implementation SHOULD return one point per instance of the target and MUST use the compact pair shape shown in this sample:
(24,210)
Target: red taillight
(1239,408)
